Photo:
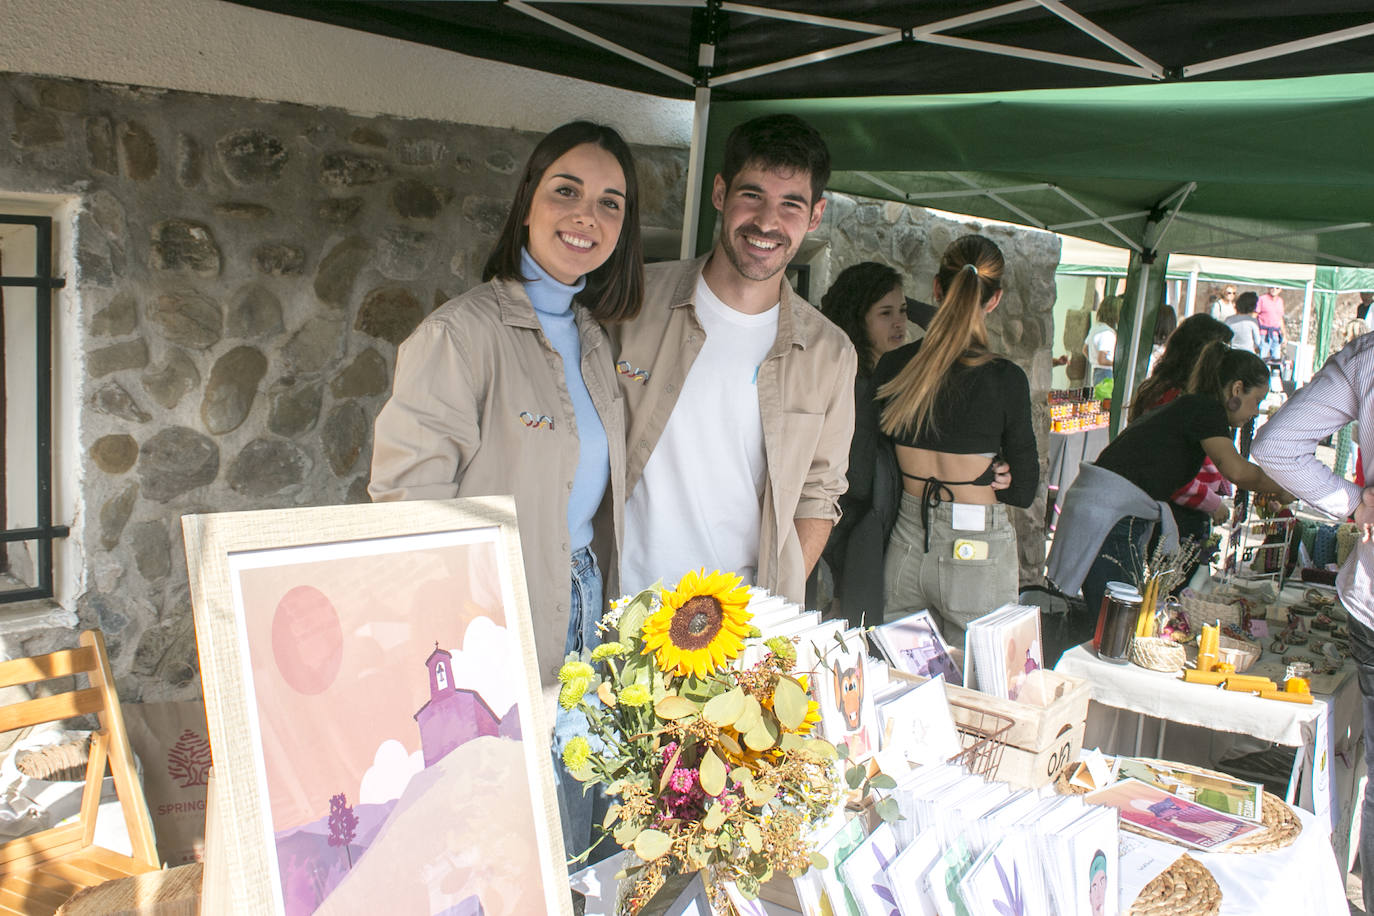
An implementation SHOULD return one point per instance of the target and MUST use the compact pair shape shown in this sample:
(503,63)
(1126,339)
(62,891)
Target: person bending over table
(1198,503)
(1340,393)
(1113,507)
(950,407)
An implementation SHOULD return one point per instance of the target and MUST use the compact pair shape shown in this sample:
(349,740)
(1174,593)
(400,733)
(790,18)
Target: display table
(1068,450)
(1327,733)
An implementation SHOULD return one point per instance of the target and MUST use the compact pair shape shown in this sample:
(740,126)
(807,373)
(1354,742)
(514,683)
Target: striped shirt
(1342,391)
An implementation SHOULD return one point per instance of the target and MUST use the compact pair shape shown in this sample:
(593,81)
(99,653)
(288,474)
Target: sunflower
(701,624)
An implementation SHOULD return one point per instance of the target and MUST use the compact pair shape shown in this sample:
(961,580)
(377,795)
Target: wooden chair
(39,872)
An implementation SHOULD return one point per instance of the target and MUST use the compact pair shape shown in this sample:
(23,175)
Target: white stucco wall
(216,47)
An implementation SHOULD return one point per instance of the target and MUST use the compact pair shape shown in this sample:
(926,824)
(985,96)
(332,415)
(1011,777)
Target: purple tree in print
(343,824)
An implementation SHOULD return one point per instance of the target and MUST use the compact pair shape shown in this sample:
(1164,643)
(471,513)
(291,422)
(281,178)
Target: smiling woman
(510,388)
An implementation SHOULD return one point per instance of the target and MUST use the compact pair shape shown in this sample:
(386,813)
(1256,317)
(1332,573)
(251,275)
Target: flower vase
(709,893)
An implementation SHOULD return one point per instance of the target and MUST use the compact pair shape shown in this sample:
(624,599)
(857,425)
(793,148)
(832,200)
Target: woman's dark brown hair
(850,297)
(615,290)
(1180,356)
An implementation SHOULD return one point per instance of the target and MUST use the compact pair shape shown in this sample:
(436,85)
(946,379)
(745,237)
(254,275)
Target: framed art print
(372,699)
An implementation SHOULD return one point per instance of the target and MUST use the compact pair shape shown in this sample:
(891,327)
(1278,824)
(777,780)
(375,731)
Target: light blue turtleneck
(553,307)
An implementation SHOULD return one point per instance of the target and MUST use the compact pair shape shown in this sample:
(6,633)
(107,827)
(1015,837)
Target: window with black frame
(26,409)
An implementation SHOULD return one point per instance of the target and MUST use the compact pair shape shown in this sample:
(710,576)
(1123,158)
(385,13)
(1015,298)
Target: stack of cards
(966,847)
(1002,648)
(914,645)
(917,727)
(1220,793)
(1168,817)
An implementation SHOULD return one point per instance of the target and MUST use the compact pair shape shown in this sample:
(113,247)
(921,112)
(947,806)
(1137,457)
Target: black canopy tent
(834,60)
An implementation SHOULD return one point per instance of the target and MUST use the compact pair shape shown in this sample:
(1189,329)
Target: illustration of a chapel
(454,715)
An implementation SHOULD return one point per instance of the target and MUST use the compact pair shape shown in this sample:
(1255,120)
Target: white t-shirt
(1101,339)
(699,500)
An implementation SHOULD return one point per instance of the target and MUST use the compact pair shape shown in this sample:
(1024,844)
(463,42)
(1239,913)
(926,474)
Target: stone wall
(911,239)
(244,273)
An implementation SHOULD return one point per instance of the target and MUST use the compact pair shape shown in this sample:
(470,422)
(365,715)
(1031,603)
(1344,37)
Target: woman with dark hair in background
(1114,504)
(950,407)
(511,388)
(1100,345)
(1165,324)
(867,303)
(1245,329)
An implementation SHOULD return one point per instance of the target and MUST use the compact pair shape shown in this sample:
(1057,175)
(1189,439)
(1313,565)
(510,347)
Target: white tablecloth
(1167,696)
(1299,879)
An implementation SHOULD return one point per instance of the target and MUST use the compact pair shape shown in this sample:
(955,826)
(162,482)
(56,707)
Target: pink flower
(683,780)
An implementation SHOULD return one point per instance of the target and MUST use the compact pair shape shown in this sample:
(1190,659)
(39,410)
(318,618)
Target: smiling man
(739,393)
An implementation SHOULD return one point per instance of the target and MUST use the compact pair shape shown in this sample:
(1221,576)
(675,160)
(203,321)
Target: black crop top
(981,409)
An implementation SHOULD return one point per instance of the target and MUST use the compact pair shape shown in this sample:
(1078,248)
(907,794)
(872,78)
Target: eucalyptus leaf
(751,717)
(854,777)
(887,810)
(792,741)
(759,793)
(753,836)
(764,737)
(625,834)
(674,707)
(650,844)
(790,702)
(819,861)
(741,775)
(712,773)
(724,709)
(883,781)
(715,816)
(822,748)
(730,745)
(841,750)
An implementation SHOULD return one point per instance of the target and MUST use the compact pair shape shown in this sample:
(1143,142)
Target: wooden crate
(1042,739)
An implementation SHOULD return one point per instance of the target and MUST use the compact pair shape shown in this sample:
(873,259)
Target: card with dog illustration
(847,711)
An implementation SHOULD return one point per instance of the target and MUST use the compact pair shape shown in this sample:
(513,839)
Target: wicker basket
(1158,654)
(1239,653)
(1202,611)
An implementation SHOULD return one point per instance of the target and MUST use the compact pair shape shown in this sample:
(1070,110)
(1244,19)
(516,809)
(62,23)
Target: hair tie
(971,266)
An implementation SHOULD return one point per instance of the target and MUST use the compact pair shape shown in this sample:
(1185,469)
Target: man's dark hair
(781,141)
(1246,303)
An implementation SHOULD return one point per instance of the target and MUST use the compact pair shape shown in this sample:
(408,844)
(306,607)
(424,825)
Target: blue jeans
(1271,344)
(578,810)
(1362,648)
(1118,560)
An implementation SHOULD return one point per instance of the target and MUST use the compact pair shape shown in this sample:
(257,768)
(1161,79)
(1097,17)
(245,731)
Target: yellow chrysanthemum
(575,753)
(701,624)
(608,650)
(572,692)
(571,671)
(634,695)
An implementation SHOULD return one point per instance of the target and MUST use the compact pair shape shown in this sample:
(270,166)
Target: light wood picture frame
(374,710)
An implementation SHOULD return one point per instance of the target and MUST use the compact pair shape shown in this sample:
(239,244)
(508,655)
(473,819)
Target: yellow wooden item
(39,872)
(1297,685)
(1286,696)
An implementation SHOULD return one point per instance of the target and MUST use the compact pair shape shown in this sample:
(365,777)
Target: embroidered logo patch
(536,420)
(631,373)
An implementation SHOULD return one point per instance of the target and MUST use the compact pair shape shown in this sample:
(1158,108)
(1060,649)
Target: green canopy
(1274,170)
(1265,168)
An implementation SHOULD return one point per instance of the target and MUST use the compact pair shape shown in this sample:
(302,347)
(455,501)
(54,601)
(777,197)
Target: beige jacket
(806,397)
(476,387)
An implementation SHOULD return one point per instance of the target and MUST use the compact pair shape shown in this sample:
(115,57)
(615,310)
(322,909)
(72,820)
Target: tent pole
(1137,325)
(1192,295)
(691,210)
(1306,310)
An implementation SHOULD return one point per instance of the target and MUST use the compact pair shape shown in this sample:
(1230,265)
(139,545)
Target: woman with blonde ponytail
(950,408)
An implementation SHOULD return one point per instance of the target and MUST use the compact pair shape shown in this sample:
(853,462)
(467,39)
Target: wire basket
(982,733)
